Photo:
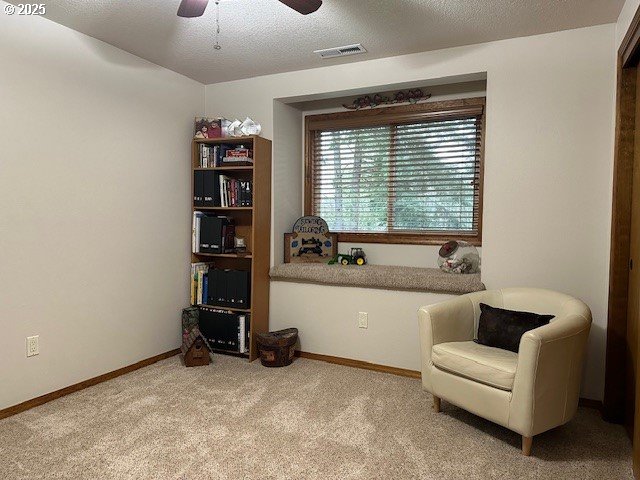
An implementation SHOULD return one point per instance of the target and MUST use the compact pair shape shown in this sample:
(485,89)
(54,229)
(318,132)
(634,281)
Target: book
(208,188)
(243,334)
(211,234)
(198,186)
(219,289)
(195,232)
(233,192)
(237,162)
(229,288)
(238,156)
(199,292)
(241,288)
(198,270)
(222,187)
(205,288)
(220,327)
(209,156)
(246,194)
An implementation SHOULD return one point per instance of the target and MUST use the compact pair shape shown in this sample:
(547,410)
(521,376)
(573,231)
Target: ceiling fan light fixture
(192,8)
(305,7)
(196,8)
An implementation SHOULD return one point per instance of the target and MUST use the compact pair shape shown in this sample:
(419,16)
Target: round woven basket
(277,349)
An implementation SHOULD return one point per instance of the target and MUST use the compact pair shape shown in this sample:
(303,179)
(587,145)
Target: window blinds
(419,177)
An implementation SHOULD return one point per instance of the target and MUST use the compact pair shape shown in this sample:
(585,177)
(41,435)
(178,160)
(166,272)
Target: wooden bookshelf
(253,224)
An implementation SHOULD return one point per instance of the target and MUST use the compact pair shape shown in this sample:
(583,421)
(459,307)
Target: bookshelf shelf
(242,310)
(224,255)
(235,140)
(222,208)
(253,224)
(227,352)
(239,168)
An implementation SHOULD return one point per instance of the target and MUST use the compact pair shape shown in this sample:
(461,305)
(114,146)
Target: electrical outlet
(33,347)
(363,320)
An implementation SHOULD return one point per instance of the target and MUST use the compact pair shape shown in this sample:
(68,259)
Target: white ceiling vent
(341,51)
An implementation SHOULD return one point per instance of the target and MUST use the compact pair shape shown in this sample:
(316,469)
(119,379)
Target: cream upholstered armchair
(528,392)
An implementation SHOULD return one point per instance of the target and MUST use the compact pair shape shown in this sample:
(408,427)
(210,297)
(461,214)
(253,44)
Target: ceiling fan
(195,8)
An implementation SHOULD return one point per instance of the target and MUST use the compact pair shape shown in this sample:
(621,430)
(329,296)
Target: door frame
(615,369)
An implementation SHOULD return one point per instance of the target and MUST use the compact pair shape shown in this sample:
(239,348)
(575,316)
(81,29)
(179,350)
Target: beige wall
(624,20)
(94,206)
(326,318)
(548,171)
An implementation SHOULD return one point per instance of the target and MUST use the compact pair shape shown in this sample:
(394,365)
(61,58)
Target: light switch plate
(363,320)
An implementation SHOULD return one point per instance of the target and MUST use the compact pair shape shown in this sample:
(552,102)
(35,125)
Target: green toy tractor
(355,257)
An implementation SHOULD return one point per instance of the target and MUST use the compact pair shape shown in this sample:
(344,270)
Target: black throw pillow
(502,328)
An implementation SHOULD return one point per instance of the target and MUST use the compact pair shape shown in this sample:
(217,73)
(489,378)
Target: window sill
(379,277)
(406,238)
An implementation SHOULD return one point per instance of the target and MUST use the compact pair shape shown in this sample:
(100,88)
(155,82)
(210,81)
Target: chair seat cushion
(492,366)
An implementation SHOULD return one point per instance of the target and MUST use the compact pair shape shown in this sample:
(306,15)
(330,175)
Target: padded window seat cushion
(378,276)
(492,366)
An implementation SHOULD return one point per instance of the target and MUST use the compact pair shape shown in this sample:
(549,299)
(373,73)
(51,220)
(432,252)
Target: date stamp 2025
(25,9)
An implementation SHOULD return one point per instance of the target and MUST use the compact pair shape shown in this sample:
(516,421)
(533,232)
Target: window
(406,174)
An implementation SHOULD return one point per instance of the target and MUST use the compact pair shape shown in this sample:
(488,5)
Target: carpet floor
(311,420)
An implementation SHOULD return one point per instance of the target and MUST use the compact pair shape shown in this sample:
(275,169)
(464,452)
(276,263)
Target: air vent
(341,51)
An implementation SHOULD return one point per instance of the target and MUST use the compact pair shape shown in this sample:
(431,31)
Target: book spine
(197,270)
(192,297)
(193,234)
(242,334)
(221,181)
(234,200)
(205,289)
(199,295)
(198,222)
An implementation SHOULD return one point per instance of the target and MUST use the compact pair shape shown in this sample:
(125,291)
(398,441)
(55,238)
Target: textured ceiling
(263,36)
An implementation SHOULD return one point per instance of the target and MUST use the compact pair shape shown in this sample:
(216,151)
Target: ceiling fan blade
(192,8)
(305,7)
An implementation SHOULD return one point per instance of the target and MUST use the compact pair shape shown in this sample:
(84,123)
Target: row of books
(224,155)
(212,189)
(212,233)
(219,287)
(224,329)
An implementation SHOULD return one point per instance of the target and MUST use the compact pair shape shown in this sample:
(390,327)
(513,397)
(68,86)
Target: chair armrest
(546,387)
(449,321)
